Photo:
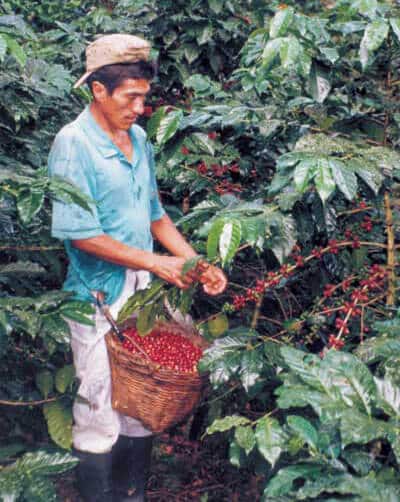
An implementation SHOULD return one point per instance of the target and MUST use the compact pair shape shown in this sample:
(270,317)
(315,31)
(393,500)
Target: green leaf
(271,439)
(271,52)
(39,490)
(3,47)
(293,56)
(251,366)
(304,429)
(324,182)
(146,319)
(330,53)
(245,438)
(388,396)
(395,24)
(226,423)
(374,35)
(368,173)
(281,22)
(229,240)
(16,50)
(168,126)
(41,463)
(140,298)
(44,382)
(64,378)
(235,454)
(204,143)
(154,122)
(304,172)
(356,427)
(319,83)
(282,483)
(359,385)
(366,7)
(344,178)
(214,237)
(10,484)
(29,203)
(59,423)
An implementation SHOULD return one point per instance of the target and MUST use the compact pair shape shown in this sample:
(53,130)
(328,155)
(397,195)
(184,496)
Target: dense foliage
(277,130)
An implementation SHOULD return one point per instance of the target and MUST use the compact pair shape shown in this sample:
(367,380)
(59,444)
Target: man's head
(120,90)
(118,73)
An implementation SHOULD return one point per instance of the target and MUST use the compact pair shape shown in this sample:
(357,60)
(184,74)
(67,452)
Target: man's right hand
(169,268)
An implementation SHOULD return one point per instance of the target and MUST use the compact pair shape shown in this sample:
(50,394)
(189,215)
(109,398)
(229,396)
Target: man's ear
(99,91)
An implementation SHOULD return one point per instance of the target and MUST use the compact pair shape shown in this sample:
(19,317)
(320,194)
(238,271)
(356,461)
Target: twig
(28,403)
(257,312)
(390,299)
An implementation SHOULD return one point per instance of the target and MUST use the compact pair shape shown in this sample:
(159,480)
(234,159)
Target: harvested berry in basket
(169,350)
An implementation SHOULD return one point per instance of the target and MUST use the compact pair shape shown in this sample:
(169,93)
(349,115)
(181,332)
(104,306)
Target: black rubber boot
(94,476)
(130,466)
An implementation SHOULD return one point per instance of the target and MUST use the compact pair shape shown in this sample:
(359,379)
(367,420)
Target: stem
(257,312)
(391,259)
(28,403)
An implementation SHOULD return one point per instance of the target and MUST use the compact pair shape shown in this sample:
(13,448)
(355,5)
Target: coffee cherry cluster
(169,350)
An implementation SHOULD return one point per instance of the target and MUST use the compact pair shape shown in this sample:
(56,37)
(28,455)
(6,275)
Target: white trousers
(96,425)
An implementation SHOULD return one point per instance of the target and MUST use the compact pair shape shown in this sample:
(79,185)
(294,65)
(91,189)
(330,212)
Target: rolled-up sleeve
(156,209)
(67,160)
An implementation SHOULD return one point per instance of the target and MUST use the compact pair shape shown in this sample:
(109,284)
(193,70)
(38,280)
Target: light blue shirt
(125,195)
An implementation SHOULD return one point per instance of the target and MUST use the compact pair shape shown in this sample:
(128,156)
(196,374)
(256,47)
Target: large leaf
(42,463)
(388,396)
(271,439)
(168,126)
(324,182)
(59,423)
(281,22)
(344,177)
(229,240)
(251,366)
(282,483)
(226,423)
(395,24)
(374,35)
(64,378)
(304,429)
(320,84)
(245,438)
(359,428)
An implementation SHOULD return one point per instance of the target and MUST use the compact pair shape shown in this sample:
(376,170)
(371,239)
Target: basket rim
(116,346)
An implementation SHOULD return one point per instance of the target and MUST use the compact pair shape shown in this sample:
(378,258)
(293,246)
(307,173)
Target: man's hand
(169,268)
(212,278)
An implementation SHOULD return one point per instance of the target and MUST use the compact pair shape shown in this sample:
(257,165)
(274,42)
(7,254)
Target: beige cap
(112,49)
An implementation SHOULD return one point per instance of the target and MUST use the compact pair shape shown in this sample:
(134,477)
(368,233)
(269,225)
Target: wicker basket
(158,397)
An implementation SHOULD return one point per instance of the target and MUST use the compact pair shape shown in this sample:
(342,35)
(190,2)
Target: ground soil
(185,470)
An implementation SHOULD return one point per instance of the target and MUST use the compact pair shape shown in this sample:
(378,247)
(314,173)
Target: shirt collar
(102,142)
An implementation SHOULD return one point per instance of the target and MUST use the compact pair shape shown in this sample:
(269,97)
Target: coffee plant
(276,130)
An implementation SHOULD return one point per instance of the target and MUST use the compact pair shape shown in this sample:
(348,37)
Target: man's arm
(105,247)
(165,231)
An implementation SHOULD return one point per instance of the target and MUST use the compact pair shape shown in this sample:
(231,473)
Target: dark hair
(112,75)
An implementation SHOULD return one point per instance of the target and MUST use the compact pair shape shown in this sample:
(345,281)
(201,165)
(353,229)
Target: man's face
(125,104)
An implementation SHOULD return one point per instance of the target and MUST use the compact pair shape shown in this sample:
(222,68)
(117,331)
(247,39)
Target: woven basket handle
(105,310)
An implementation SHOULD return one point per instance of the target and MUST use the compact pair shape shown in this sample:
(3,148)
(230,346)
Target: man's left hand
(212,278)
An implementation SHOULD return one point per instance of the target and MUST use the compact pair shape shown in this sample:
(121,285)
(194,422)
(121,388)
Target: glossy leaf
(281,22)
(59,423)
(168,126)
(271,439)
(64,378)
(227,423)
(306,431)
(373,38)
(245,438)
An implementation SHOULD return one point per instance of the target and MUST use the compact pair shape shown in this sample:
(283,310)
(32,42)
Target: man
(110,252)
